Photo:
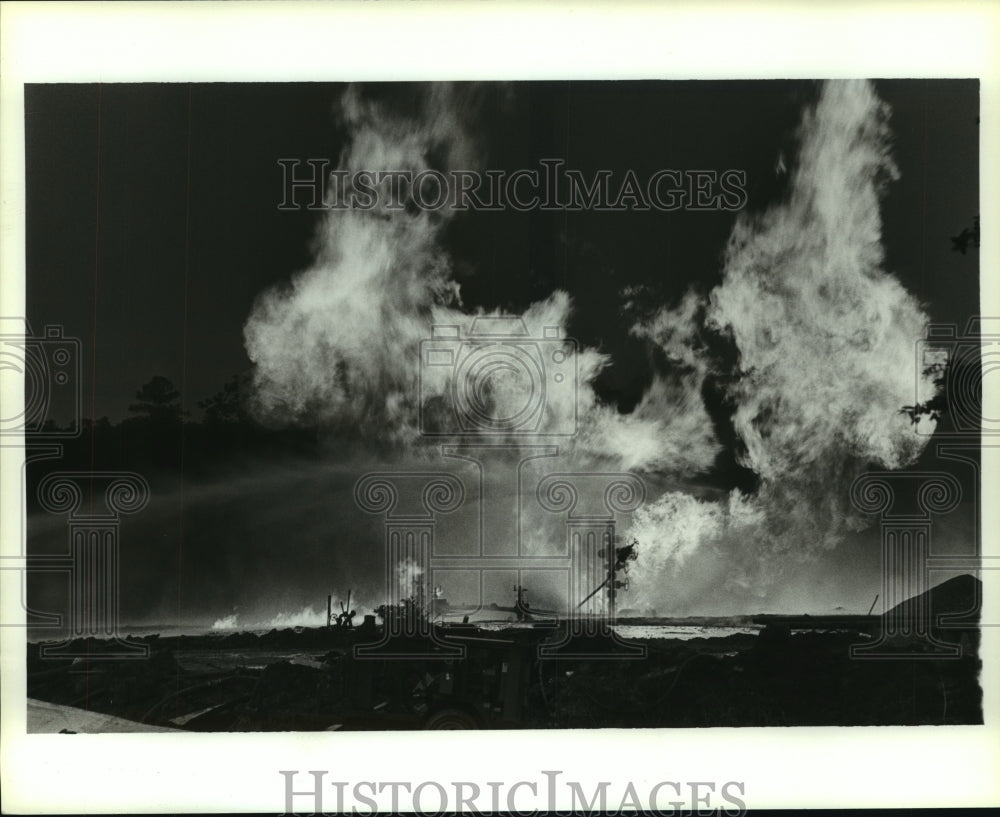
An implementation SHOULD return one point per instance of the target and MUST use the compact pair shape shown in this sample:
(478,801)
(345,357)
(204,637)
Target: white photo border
(270,42)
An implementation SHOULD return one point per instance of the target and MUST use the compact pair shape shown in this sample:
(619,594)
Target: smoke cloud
(825,340)
(338,346)
(826,337)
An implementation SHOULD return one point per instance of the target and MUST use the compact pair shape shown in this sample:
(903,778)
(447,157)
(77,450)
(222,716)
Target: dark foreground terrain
(312,680)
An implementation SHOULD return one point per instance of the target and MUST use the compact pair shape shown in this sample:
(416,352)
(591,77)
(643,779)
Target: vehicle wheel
(451,719)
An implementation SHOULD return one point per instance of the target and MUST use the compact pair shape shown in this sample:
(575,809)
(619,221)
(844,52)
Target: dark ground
(310,680)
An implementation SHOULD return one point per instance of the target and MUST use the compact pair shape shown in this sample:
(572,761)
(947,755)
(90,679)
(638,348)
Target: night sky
(153,218)
(153,228)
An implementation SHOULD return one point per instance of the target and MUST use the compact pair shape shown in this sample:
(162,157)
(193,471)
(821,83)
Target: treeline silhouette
(958,380)
(159,439)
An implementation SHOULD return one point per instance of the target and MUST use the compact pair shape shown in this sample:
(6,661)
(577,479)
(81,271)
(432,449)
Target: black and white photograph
(392,405)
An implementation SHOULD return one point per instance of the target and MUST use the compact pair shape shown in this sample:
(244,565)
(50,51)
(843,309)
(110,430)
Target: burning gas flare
(826,340)
(824,337)
(338,345)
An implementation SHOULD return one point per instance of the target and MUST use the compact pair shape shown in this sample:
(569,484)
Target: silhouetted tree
(155,434)
(230,404)
(958,385)
(966,238)
(158,401)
